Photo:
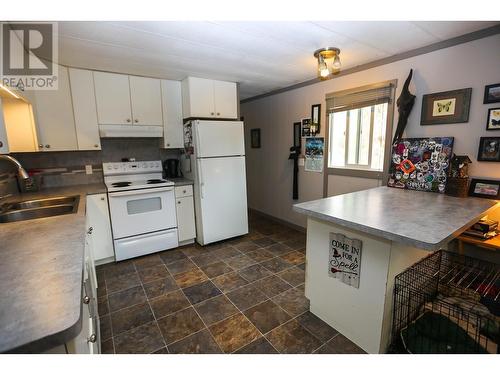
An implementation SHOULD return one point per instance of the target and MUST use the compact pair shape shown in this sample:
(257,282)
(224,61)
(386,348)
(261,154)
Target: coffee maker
(171,168)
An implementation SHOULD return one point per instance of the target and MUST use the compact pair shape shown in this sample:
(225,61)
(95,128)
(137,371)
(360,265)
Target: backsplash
(68,167)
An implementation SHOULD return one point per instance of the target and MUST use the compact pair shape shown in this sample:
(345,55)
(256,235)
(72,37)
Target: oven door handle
(140,191)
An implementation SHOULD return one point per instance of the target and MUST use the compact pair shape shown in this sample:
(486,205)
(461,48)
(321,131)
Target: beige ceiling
(261,56)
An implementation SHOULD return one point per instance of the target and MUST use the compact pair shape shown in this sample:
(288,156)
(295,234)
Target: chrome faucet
(21,172)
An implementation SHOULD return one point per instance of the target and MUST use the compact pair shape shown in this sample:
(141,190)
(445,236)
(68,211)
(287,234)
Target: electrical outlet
(88,169)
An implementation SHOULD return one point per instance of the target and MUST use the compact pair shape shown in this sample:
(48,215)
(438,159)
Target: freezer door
(218,138)
(222,199)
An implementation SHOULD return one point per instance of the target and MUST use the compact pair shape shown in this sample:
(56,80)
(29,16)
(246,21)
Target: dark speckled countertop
(41,270)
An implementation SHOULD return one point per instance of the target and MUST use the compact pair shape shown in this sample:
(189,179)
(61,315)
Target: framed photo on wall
(484,188)
(489,149)
(255,138)
(493,122)
(315,118)
(492,94)
(448,107)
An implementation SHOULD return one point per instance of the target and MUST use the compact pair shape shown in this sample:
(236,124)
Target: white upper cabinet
(145,94)
(53,113)
(207,98)
(127,100)
(173,136)
(226,99)
(112,95)
(84,107)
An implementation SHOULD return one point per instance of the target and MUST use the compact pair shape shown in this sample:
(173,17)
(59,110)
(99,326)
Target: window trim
(354,172)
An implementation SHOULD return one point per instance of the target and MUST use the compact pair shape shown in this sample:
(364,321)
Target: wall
(68,168)
(269,173)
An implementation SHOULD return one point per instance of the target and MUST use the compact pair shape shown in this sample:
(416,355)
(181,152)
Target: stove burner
(121,184)
(155,181)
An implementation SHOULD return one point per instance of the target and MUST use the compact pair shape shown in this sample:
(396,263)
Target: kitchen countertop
(41,273)
(181,181)
(421,219)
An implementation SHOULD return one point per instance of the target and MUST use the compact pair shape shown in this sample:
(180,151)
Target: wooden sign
(345,259)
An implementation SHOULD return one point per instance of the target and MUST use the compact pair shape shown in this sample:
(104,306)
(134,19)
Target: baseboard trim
(277,220)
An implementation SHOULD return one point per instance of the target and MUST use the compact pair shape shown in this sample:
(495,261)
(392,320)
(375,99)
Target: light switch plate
(88,169)
(301,162)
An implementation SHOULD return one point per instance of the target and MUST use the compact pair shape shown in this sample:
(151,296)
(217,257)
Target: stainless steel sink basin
(39,208)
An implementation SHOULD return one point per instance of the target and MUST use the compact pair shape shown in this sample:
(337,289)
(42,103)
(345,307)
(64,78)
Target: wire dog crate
(447,303)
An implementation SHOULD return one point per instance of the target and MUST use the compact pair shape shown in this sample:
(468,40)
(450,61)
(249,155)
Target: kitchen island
(358,242)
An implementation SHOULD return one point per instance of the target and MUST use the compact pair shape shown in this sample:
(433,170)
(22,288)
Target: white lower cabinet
(99,221)
(186,227)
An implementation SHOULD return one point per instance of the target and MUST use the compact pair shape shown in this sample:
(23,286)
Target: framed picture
(306,127)
(297,139)
(255,138)
(315,118)
(493,122)
(484,188)
(447,107)
(489,149)
(492,94)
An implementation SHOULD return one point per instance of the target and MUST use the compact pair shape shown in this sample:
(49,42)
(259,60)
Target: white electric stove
(142,208)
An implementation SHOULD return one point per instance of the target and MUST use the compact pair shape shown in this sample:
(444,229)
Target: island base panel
(363,315)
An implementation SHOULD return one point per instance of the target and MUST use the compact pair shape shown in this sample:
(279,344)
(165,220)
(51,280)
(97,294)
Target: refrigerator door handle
(200,177)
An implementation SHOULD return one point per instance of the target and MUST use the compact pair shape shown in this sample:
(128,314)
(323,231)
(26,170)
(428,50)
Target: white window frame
(351,170)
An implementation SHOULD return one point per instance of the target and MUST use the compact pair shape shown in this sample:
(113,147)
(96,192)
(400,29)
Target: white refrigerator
(216,163)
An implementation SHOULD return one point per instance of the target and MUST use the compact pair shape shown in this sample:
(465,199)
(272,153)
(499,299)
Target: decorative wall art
(344,261)
(493,122)
(421,163)
(306,127)
(489,149)
(297,139)
(255,138)
(314,154)
(484,188)
(405,104)
(315,119)
(492,94)
(447,107)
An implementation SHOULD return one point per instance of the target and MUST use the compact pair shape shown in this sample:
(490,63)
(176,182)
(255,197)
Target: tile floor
(245,295)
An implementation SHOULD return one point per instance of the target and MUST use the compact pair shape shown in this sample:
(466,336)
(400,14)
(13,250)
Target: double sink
(38,208)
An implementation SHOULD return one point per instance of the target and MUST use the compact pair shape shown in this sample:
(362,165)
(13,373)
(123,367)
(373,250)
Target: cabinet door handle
(86,300)
(47,146)
(102,198)
(40,146)
(178,202)
(212,113)
(96,145)
(92,338)
(90,230)
(218,113)
(168,144)
(1,144)
(136,120)
(128,120)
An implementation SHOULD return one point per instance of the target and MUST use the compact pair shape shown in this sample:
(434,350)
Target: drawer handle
(86,300)
(90,230)
(184,191)
(178,202)
(92,338)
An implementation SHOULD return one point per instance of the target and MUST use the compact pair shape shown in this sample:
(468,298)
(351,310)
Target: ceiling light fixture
(324,54)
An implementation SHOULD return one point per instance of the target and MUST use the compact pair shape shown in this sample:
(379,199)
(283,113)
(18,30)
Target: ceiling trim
(479,34)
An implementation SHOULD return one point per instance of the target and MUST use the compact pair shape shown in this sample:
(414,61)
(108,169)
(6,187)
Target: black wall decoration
(405,104)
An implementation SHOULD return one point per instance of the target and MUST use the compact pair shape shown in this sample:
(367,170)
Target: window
(357,129)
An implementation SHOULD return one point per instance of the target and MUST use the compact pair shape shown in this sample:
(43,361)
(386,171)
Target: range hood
(130,131)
